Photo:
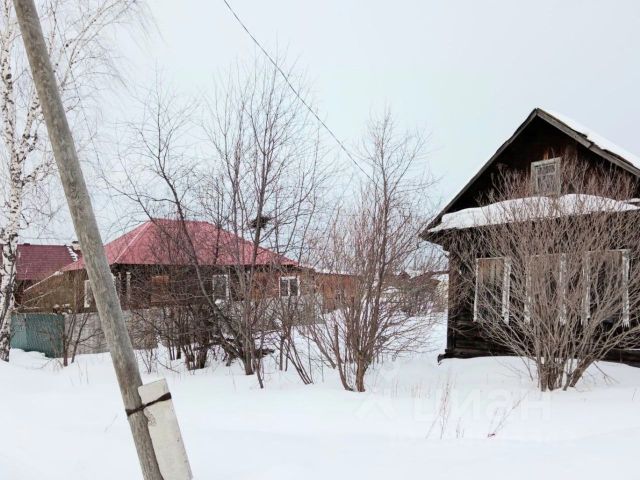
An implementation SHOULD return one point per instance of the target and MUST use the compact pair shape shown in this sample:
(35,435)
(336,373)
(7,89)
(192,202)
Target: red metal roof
(165,242)
(36,262)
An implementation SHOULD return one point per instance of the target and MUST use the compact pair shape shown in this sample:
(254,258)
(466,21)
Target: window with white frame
(117,282)
(88,294)
(493,278)
(606,275)
(546,287)
(220,284)
(128,287)
(545,177)
(289,286)
(88,291)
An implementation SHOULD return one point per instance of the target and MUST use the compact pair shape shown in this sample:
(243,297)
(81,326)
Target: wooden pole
(86,228)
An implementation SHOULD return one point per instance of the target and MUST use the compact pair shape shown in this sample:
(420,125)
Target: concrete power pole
(86,228)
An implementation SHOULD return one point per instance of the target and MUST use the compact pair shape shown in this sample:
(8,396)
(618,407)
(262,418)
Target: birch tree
(75,36)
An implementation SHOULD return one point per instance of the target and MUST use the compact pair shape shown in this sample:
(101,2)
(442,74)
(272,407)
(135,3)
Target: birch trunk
(77,54)
(7,282)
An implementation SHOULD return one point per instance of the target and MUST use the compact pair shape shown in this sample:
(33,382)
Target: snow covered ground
(480,418)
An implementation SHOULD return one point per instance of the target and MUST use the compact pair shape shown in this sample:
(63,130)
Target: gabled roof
(165,242)
(36,262)
(585,137)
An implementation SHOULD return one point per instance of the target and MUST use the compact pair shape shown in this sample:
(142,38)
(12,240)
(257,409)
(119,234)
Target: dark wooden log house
(533,150)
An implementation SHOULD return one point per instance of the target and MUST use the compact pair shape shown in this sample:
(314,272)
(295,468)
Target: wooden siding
(540,140)
(146,286)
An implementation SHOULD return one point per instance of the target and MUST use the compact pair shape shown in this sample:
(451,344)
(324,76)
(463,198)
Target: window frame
(127,286)
(556,161)
(625,269)
(288,279)
(88,299)
(161,280)
(506,287)
(562,285)
(213,285)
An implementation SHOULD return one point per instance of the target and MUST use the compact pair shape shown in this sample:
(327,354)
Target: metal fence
(38,332)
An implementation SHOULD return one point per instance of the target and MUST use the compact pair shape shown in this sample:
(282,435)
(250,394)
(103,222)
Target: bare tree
(74,35)
(257,182)
(374,241)
(81,334)
(266,188)
(554,278)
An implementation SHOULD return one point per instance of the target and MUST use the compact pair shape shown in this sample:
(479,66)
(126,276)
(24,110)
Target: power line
(294,90)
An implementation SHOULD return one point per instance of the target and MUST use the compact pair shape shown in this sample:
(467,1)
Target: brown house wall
(464,336)
(539,141)
(65,292)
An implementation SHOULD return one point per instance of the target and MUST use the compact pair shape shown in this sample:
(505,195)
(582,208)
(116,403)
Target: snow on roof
(530,208)
(595,138)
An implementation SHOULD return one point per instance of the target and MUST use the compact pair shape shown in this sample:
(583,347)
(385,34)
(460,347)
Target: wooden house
(537,149)
(166,262)
(35,262)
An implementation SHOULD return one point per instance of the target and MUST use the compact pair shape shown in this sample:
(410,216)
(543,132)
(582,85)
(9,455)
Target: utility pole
(87,232)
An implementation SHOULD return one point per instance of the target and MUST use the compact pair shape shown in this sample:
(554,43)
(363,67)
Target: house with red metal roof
(168,272)
(34,263)
(161,260)
(171,242)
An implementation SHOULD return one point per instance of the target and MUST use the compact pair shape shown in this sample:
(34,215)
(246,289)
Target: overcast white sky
(466,72)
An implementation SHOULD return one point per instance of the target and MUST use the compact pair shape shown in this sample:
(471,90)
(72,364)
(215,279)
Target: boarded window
(289,286)
(491,302)
(220,287)
(546,285)
(159,288)
(545,177)
(607,286)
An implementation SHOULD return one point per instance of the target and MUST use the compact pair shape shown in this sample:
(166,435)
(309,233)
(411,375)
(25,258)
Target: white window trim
(534,175)
(527,287)
(213,284)
(128,287)
(586,273)
(626,263)
(563,288)
(625,285)
(506,287)
(289,278)
(88,294)
(476,295)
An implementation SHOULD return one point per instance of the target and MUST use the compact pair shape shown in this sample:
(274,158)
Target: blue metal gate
(38,332)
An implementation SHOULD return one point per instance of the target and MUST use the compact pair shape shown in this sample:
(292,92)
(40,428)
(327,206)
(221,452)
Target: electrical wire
(294,90)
